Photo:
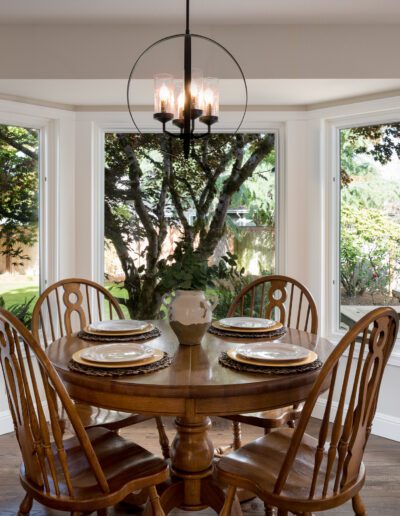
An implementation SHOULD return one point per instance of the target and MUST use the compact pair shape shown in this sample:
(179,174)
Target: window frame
(332,217)
(48,191)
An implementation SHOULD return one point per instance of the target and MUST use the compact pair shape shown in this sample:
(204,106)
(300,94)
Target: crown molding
(252,108)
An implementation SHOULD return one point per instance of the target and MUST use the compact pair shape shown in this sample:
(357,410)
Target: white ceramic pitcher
(190,315)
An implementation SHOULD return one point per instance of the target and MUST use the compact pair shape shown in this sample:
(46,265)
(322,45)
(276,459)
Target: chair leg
(26,505)
(229,499)
(155,502)
(237,435)
(269,510)
(163,438)
(102,512)
(358,505)
(282,512)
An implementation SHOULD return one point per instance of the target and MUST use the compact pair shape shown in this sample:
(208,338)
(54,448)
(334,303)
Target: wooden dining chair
(286,300)
(69,306)
(293,471)
(93,469)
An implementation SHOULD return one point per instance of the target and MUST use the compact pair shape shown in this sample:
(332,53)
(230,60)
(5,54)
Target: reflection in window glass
(221,202)
(369,220)
(19,220)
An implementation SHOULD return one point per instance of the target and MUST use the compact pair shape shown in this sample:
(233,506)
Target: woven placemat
(226,361)
(254,335)
(155,332)
(164,362)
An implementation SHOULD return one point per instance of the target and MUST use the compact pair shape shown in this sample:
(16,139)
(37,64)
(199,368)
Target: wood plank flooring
(381,493)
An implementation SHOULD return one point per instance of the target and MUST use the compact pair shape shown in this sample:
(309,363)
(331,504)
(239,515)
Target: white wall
(305,190)
(266,51)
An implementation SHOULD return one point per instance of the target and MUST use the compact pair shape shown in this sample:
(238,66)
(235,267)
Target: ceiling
(203,11)
(269,92)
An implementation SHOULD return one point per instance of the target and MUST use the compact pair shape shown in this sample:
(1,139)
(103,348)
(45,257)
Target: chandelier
(188,105)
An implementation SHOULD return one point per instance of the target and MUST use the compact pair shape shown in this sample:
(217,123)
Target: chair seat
(113,420)
(269,418)
(256,467)
(122,461)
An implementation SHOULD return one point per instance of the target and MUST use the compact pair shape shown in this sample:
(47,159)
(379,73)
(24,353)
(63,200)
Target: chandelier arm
(181,136)
(174,135)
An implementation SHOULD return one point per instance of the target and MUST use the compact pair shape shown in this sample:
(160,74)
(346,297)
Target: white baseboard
(6,424)
(383,424)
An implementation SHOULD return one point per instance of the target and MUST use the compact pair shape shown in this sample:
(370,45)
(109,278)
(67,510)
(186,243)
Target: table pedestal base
(210,495)
(192,487)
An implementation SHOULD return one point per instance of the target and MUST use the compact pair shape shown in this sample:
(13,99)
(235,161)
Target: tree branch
(187,228)
(134,177)
(17,146)
(238,176)
(141,209)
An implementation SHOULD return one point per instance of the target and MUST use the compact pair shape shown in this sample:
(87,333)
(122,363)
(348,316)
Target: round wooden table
(192,389)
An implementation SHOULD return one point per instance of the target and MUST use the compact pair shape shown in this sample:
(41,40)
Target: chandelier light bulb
(164,98)
(208,101)
(181,104)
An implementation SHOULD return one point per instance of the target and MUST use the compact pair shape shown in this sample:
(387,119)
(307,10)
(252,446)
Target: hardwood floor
(381,493)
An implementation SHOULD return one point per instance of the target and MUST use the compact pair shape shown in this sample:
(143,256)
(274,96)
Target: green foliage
(370,211)
(370,250)
(187,270)
(381,142)
(227,289)
(23,311)
(19,198)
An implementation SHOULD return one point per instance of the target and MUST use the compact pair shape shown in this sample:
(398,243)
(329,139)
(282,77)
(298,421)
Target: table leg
(192,487)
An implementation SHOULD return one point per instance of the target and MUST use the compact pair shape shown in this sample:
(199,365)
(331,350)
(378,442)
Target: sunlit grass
(18,292)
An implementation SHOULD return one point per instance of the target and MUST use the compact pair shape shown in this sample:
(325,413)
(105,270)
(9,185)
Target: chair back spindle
(281,298)
(353,373)
(35,394)
(70,305)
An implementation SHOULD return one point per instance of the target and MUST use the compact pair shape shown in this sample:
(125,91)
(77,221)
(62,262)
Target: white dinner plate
(248,323)
(117,352)
(272,351)
(119,325)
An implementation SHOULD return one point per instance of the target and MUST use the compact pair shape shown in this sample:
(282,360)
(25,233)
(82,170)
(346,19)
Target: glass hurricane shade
(169,96)
(211,97)
(164,98)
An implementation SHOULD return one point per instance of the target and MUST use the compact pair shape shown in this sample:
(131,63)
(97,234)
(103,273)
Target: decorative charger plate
(157,355)
(272,352)
(219,326)
(118,327)
(247,323)
(117,352)
(232,353)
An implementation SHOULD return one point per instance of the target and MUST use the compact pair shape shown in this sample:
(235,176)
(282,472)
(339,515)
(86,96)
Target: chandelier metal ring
(175,36)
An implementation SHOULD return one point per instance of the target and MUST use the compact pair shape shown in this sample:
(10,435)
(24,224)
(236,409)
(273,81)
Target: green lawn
(119,292)
(18,292)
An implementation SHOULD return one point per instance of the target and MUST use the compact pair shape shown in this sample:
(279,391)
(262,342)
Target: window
(19,219)
(369,220)
(221,202)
